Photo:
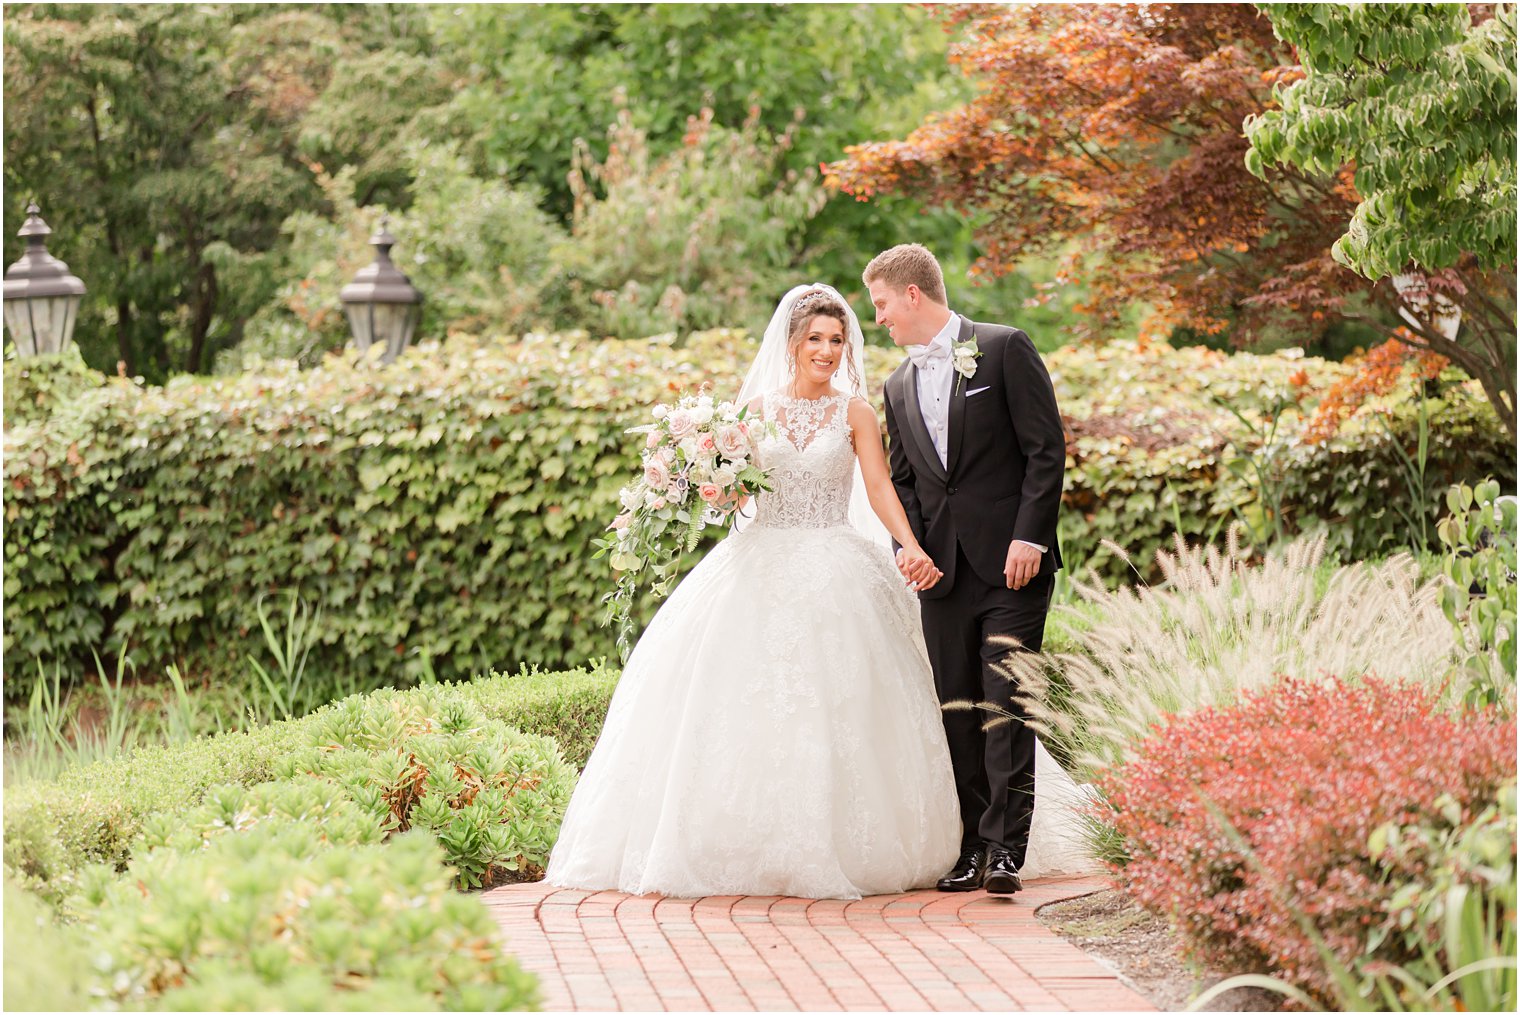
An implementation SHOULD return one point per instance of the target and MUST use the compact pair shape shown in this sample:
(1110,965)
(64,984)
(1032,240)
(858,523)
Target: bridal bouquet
(698,462)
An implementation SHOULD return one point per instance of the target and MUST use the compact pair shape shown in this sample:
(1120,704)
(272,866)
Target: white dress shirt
(936,383)
(936,377)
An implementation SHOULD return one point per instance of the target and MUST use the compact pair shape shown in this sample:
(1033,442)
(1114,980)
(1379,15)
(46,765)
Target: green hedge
(279,917)
(439,512)
(46,968)
(97,814)
(283,869)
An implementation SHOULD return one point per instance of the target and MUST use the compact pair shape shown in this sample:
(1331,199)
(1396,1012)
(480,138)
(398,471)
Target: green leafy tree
(168,143)
(545,81)
(700,238)
(478,249)
(157,153)
(1422,102)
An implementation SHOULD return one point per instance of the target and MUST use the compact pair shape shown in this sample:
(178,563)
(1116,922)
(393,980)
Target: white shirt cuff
(1037,546)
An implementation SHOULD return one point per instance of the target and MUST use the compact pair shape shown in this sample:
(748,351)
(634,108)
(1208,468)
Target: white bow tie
(922,355)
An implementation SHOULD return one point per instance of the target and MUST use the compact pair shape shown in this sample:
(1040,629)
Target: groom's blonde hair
(908,264)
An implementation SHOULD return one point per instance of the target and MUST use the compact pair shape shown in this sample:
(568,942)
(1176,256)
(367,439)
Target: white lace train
(776,731)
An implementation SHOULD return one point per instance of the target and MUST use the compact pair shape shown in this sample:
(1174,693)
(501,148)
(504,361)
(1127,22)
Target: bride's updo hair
(820,303)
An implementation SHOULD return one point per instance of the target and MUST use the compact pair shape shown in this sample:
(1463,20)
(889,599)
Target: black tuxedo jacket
(1006,459)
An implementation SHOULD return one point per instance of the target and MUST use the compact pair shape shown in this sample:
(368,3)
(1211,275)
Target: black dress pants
(994,769)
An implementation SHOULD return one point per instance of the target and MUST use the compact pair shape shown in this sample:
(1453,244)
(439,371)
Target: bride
(776,730)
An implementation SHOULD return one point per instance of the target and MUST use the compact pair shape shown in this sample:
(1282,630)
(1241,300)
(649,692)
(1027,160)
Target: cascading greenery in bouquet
(699,466)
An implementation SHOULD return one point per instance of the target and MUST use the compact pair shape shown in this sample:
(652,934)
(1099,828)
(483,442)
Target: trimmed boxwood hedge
(287,868)
(95,814)
(439,512)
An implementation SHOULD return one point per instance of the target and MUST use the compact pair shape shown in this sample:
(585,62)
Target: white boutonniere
(964,355)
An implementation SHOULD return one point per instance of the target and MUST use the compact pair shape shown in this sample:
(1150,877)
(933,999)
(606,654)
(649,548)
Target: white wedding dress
(776,730)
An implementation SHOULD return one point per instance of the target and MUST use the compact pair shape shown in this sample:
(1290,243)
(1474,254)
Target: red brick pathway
(924,951)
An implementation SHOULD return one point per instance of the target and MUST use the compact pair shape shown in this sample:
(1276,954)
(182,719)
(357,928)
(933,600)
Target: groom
(977,454)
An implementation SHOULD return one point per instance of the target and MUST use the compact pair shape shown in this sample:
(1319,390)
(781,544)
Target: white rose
(689,448)
(656,473)
(724,477)
(682,424)
(731,441)
(660,411)
(703,413)
(629,497)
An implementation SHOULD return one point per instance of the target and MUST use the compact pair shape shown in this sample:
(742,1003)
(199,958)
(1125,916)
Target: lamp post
(381,303)
(41,297)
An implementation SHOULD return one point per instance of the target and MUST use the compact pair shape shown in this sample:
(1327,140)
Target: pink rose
(732,441)
(656,473)
(707,446)
(710,492)
(653,440)
(622,520)
(743,427)
(659,504)
(681,423)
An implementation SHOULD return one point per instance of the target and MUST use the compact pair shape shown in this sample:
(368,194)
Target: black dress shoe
(1001,876)
(967,874)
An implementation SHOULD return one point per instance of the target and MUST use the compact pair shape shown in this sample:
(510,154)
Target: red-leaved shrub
(1304,771)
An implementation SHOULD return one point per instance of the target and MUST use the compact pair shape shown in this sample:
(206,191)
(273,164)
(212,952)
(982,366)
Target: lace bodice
(811,460)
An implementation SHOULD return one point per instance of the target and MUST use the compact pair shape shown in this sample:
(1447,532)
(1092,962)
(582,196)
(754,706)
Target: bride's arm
(865,430)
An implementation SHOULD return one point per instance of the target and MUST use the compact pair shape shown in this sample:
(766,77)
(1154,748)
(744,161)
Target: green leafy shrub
(45,964)
(1238,821)
(277,917)
(1456,915)
(439,512)
(103,813)
(316,803)
(426,758)
(569,706)
(1480,599)
(93,814)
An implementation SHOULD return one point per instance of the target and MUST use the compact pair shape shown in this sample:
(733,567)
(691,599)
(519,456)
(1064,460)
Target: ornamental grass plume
(1216,627)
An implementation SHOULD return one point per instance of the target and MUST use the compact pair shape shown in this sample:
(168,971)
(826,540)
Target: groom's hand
(1022,565)
(918,569)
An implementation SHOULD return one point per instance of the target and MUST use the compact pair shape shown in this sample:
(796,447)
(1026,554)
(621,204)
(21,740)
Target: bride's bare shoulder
(862,415)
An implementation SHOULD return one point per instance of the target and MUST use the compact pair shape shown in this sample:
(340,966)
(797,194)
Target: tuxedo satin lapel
(958,405)
(915,421)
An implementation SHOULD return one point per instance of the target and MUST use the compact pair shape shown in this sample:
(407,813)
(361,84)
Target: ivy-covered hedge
(439,512)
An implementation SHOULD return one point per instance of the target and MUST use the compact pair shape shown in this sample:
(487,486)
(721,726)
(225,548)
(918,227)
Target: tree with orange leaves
(1114,134)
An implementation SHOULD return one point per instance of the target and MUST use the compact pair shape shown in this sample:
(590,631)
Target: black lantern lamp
(382,304)
(41,297)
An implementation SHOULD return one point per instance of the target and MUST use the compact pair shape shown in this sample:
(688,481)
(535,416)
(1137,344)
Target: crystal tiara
(816,296)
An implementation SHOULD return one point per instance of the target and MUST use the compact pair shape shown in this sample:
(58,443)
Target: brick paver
(923,951)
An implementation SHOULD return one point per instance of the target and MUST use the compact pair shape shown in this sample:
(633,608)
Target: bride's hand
(917,568)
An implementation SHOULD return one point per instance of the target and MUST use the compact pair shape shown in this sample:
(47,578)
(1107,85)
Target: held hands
(917,569)
(1022,565)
